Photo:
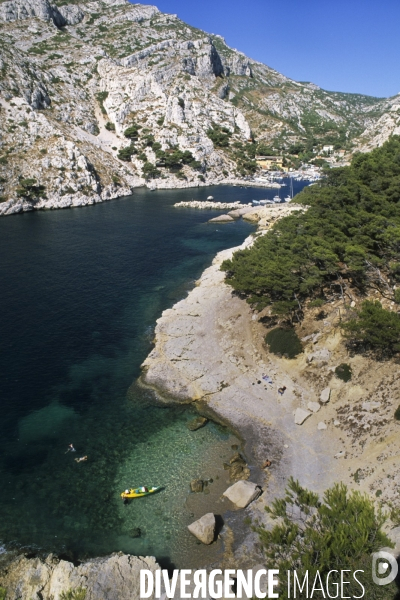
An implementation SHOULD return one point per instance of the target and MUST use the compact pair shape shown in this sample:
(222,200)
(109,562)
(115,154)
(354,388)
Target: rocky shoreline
(206,351)
(114,577)
(210,350)
(57,200)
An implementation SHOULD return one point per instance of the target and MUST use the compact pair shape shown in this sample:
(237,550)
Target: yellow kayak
(139,492)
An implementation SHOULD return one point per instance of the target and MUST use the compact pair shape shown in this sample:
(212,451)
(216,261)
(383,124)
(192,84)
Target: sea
(81,290)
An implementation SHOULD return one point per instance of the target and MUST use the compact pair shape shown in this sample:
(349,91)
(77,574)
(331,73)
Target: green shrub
(219,135)
(77,594)
(339,532)
(160,121)
(101,96)
(3,593)
(29,190)
(150,171)
(148,139)
(132,132)
(374,327)
(126,153)
(43,150)
(343,372)
(110,126)
(397,295)
(397,413)
(349,235)
(284,342)
(317,303)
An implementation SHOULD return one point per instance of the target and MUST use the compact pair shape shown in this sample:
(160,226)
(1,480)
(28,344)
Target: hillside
(100,97)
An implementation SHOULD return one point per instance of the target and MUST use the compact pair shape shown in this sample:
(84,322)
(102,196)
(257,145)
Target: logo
(384,568)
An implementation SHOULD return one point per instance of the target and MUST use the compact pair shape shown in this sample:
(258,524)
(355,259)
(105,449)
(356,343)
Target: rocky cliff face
(75,75)
(109,578)
(381,128)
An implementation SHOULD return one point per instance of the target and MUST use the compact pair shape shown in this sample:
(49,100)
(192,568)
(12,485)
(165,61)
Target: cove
(81,290)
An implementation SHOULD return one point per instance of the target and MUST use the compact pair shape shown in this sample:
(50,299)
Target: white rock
(242,493)
(322,425)
(105,578)
(352,304)
(322,356)
(313,406)
(325,395)
(340,454)
(370,406)
(336,423)
(221,219)
(301,415)
(204,528)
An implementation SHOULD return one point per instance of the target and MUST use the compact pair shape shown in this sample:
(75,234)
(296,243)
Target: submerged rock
(197,485)
(204,528)
(238,468)
(136,532)
(197,423)
(242,493)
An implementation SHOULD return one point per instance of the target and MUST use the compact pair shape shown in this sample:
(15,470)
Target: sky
(345,46)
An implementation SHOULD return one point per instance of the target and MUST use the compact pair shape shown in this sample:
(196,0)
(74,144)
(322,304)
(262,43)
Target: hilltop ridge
(100,97)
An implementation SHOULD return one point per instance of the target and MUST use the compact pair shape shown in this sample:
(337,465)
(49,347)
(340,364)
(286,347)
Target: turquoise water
(81,290)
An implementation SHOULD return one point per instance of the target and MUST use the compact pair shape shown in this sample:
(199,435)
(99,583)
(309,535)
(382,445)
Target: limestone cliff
(75,75)
(114,577)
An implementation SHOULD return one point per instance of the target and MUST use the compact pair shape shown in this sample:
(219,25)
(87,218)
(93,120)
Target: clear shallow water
(80,292)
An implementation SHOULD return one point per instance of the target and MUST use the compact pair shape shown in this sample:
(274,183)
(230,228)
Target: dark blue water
(80,292)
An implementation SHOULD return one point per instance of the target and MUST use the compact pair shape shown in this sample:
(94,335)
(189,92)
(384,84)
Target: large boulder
(204,528)
(197,485)
(197,423)
(242,493)
(325,395)
(301,415)
(222,219)
(239,212)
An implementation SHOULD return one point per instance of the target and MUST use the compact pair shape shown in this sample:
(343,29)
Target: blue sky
(347,46)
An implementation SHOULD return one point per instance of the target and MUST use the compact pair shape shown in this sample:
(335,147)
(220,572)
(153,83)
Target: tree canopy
(349,235)
(341,531)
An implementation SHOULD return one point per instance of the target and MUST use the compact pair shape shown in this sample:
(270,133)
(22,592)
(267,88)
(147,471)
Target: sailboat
(290,197)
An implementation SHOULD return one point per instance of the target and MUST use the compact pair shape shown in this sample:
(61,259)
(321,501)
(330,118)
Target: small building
(328,149)
(270,162)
